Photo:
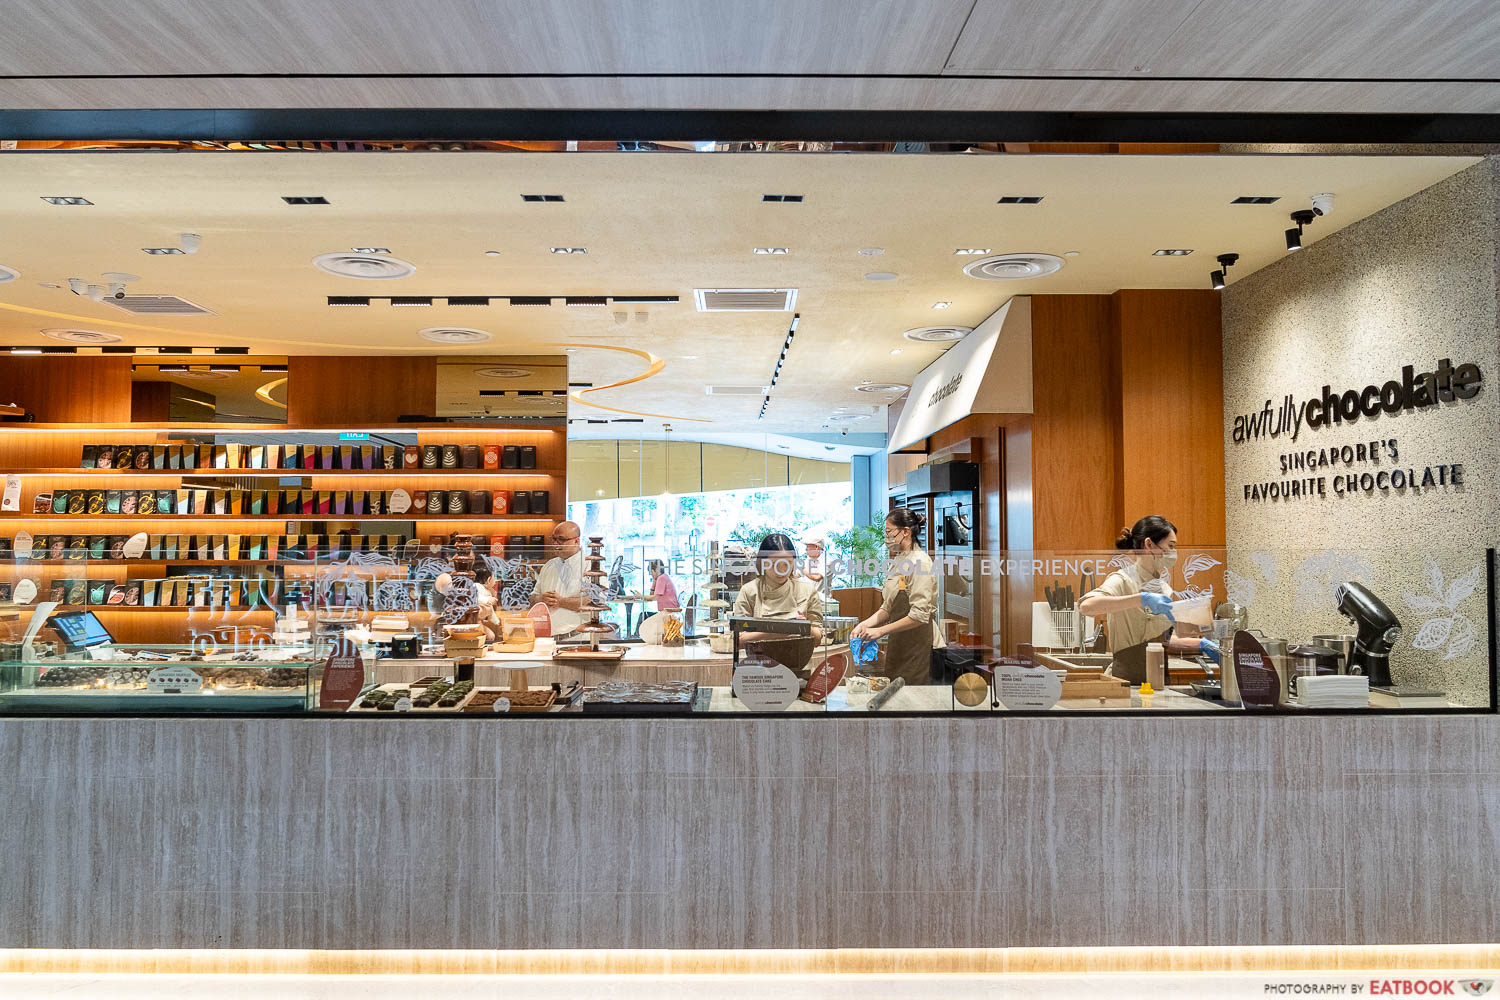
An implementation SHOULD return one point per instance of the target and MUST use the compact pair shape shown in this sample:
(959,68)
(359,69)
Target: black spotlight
(1302,218)
(1226,261)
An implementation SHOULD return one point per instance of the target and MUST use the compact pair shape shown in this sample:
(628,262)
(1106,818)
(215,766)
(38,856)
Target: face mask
(1167,559)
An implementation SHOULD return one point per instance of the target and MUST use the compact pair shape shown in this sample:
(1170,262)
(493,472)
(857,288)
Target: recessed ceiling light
(541,197)
(1019,199)
(48,284)
(162,251)
(82,336)
(8,273)
(1256,199)
(772,251)
(941,305)
(781,197)
(872,251)
(878,387)
(568,249)
(570,350)
(972,252)
(881,276)
(65,200)
(371,249)
(1170,253)
(304,199)
(895,350)
(492,253)
(1070,253)
(688,357)
(454,335)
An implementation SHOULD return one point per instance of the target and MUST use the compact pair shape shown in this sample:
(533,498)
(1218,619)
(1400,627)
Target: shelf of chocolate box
(420,459)
(594,575)
(295,504)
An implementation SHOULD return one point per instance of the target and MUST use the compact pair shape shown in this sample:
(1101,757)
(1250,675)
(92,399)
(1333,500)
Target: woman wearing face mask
(1136,599)
(908,607)
(778,592)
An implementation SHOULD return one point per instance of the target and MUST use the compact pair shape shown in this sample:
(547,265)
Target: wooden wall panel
(1171,428)
(1074,402)
(150,402)
(67,390)
(329,391)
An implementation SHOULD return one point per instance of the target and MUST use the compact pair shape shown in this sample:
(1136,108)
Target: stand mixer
(1376,630)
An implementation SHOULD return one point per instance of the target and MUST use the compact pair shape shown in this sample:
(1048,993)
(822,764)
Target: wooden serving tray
(1095,687)
(482,700)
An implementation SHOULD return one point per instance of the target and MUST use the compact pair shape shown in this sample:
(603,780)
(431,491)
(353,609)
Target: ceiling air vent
(737,390)
(531,300)
(938,334)
(370,267)
(158,305)
(1019,199)
(1256,199)
(1014,266)
(87,337)
(454,335)
(745,299)
(586,300)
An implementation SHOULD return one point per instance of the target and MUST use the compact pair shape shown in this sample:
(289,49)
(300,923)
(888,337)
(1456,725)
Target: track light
(78,286)
(1218,278)
(1302,217)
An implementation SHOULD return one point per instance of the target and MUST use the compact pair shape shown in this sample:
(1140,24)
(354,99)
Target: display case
(166,679)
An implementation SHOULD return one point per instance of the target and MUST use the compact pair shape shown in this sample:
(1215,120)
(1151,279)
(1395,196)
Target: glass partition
(461,628)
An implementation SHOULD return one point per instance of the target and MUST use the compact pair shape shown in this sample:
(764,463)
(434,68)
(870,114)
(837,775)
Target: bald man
(560,583)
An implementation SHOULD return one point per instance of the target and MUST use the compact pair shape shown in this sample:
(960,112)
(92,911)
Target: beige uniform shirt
(1132,626)
(912,573)
(761,598)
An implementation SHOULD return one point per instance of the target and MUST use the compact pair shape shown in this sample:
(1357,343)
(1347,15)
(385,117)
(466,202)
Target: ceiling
(1344,56)
(653,224)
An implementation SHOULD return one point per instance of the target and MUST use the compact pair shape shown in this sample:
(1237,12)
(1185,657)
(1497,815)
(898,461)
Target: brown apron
(909,654)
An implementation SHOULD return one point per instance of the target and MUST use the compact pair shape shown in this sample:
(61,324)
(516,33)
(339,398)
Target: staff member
(1136,599)
(560,584)
(778,592)
(908,607)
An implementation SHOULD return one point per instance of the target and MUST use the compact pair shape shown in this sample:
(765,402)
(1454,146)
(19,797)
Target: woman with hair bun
(908,607)
(1136,599)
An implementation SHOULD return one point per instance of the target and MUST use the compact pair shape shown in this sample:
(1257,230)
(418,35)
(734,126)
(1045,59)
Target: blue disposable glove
(1210,649)
(1157,604)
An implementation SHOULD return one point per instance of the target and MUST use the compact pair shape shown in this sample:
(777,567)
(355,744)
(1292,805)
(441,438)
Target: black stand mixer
(1376,631)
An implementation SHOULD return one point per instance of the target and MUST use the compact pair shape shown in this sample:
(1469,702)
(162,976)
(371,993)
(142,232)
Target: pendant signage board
(1027,689)
(989,371)
(1259,684)
(343,679)
(768,688)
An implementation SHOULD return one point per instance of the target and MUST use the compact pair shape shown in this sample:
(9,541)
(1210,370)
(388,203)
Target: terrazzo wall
(1411,285)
